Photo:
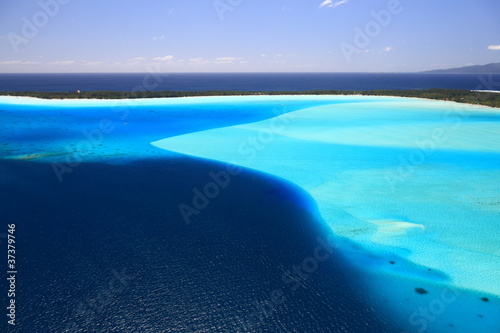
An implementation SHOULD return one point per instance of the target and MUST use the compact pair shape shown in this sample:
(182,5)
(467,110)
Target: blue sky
(247,35)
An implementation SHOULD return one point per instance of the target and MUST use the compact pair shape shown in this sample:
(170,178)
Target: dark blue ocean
(246,81)
(107,251)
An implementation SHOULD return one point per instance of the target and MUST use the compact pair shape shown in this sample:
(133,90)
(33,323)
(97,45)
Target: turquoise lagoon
(409,187)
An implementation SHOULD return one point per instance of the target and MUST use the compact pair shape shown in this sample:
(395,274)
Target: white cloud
(137,59)
(331,4)
(62,62)
(196,60)
(158,37)
(165,58)
(326,3)
(388,48)
(11,62)
(494,47)
(220,60)
(93,63)
(225,60)
(18,62)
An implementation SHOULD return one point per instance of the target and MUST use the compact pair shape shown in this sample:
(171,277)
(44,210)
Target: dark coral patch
(392,262)
(421,291)
(485,299)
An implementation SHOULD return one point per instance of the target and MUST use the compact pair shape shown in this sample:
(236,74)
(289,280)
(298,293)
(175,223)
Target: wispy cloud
(332,4)
(62,62)
(388,48)
(198,61)
(18,62)
(165,58)
(226,60)
(137,59)
(158,37)
(10,62)
(93,63)
(220,60)
(494,47)
(27,62)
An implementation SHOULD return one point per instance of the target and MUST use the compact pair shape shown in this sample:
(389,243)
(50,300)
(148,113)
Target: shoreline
(257,94)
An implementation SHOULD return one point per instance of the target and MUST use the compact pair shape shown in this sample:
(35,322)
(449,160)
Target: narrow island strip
(486,98)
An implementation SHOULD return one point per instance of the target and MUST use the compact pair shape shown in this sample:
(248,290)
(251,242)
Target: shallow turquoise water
(408,178)
(410,186)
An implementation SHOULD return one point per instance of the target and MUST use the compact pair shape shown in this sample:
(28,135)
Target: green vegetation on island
(462,96)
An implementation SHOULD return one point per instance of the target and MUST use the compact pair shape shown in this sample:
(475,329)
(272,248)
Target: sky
(246,35)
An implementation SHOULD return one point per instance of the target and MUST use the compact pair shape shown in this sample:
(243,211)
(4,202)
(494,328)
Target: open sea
(246,81)
(304,214)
